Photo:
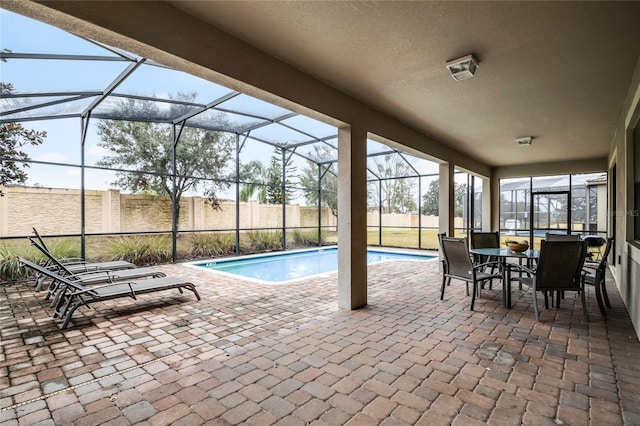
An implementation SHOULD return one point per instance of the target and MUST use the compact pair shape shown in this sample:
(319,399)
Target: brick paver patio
(286,355)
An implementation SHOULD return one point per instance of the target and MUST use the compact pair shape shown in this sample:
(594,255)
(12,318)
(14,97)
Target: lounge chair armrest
(93,272)
(71,259)
(93,288)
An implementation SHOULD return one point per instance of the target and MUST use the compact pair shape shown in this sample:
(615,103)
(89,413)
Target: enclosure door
(550,212)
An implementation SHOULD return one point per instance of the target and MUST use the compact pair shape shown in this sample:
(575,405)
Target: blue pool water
(286,266)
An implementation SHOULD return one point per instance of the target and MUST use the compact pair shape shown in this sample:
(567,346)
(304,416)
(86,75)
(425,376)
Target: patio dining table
(502,254)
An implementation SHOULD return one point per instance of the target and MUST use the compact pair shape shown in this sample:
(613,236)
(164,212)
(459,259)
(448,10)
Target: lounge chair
(76,265)
(73,294)
(95,276)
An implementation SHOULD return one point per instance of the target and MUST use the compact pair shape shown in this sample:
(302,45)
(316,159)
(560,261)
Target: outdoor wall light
(463,68)
(524,141)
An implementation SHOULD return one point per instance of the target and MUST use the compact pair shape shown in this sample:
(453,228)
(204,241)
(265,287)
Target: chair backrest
(485,239)
(561,237)
(560,265)
(51,260)
(40,240)
(602,265)
(456,254)
(51,274)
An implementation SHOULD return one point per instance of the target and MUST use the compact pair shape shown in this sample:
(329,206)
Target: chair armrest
(522,268)
(482,265)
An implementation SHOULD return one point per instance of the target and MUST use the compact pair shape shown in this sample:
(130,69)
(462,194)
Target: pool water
(287,266)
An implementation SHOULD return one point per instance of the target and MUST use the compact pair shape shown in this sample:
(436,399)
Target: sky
(62,144)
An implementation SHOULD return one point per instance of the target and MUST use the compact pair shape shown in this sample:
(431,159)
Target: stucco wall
(626,263)
(57,211)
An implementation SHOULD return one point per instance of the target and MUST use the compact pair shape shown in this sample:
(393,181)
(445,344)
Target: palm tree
(256,174)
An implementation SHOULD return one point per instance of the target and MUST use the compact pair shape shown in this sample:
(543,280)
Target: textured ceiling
(558,71)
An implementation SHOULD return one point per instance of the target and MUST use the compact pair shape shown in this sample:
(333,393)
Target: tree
(255,174)
(396,192)
(147,147)
(275,193)
(329,182)
(13,136)
(431,199)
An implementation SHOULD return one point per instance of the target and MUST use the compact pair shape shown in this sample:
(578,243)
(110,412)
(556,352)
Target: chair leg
(535,303)
(473,297)
(546,299)
(604,293)
(467,284)
(444,281)
(599,299)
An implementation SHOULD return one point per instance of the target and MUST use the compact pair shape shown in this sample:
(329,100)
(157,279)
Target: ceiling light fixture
(524,141)
(463,68)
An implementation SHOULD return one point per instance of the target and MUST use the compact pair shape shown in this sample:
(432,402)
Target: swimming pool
(290,266)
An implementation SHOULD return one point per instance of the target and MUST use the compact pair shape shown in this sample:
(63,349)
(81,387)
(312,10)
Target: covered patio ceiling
(557,71)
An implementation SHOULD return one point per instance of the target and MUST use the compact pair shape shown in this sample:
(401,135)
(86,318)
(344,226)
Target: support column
(487,225)
(4,213)
(446,206)
(352,218)
(494,184)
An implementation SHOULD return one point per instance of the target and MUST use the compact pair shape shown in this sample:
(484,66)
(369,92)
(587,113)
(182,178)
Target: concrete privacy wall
(407,220)
(57,211)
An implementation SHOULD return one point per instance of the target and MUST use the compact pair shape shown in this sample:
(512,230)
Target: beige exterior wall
(57,211)
(626,263)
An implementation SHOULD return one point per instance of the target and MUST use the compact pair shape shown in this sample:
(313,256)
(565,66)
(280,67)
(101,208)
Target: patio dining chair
(460,267)
(486,240)
(596,277)
(559,269)
(549,236)
(73,294)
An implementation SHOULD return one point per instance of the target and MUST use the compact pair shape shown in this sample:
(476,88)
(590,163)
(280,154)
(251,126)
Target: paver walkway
(286,355)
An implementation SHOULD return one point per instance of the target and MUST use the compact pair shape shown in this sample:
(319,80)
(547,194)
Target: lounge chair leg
(193,289)
(68,313)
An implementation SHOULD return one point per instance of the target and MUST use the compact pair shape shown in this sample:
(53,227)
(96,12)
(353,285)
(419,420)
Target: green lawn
(397,238)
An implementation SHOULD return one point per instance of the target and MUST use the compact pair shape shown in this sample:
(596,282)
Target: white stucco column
(446,206)
(352,218)
(486,206)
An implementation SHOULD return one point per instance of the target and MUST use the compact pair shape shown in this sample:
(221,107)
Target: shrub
(142,250)
(64,248)
(304,238)
(265,240)
(212,245)
(10,268)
